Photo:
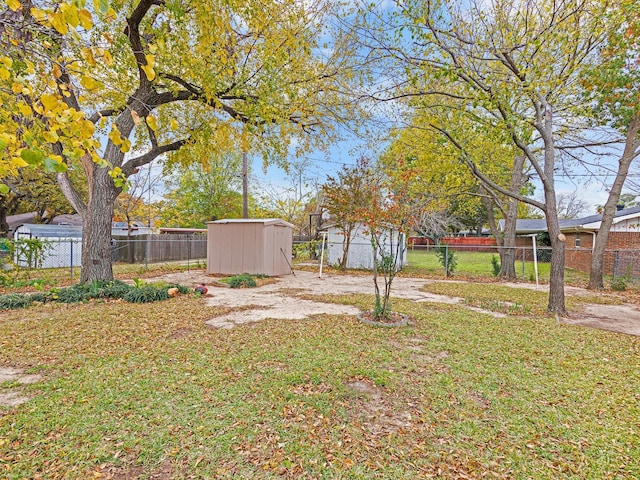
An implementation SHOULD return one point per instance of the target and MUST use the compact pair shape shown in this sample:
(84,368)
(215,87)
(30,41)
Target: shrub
(619,284)
(146,294)
(75,294)
(115,289)
(242,281)
(495,265)
(447,258)
(39,297)
(82,292)
(14,300)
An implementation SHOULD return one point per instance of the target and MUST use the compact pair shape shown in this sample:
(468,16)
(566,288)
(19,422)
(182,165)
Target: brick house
(622,256)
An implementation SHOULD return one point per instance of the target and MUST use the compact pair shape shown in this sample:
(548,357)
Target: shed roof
(265,221)
(50,231)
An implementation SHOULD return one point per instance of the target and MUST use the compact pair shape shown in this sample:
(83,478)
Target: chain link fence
(462,260)
(140,249)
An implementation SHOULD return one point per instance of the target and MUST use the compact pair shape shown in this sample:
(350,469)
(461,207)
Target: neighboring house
(360,253)
(622,255)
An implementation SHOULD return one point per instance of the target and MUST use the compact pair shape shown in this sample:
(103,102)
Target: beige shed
(249,246)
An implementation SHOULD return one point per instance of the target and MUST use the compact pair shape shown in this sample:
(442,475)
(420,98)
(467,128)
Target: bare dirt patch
(279,299)
(13,397)
(375,411)
(616,318)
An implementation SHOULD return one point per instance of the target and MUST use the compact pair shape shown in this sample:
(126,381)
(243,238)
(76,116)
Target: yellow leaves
(58,22)
(39,14)
(126,145)
(49,102)
(50,136)
(87,128)
(18,162)
(85,19)
(114,136)
(174,124)
(107,58)
(57,71)
(4,73)
(70,14)
(151,121)
(87,55)
(149,72)
(25,109)
(14,5)
(16,88)
(89,83)
(148,68)
(6,61)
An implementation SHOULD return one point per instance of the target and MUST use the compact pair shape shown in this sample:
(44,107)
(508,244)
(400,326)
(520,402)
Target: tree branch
(132,31)
(482,177)
(129,167)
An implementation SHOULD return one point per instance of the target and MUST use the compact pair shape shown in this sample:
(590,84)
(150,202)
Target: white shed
(249,246)
(360,253)
(62,245)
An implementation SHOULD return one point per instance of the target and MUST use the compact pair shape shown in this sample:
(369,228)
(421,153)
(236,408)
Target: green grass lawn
(147,390)
(478,264)
(472,263)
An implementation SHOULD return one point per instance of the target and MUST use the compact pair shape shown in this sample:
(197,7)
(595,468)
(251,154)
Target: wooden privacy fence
(158,248)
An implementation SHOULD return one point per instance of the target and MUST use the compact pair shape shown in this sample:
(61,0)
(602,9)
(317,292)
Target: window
(577,242)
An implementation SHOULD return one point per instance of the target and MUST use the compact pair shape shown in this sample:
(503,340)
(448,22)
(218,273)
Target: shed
(62,243)
(360,254)
(256,246)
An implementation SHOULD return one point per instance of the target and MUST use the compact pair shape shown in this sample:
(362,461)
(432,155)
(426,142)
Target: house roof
(527,226)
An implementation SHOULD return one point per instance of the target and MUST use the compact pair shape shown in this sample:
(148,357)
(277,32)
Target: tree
(34,190)
(614,86)
(436,224)
(570,205)
(514,69)
(292,201)
(453,191)
(130,206)
(389,217)
(345,197)
(151,78)
(200,194)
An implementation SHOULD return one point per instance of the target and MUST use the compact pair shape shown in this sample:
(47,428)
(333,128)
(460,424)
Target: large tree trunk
(556,282)
(508,251)
(597,259)
(4,226)
(96,233)
(506,240)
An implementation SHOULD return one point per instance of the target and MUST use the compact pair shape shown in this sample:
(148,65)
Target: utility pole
(245,192)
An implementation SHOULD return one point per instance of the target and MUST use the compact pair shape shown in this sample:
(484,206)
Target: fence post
(189,235)
(446,260)
(615,264)
(71,262)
